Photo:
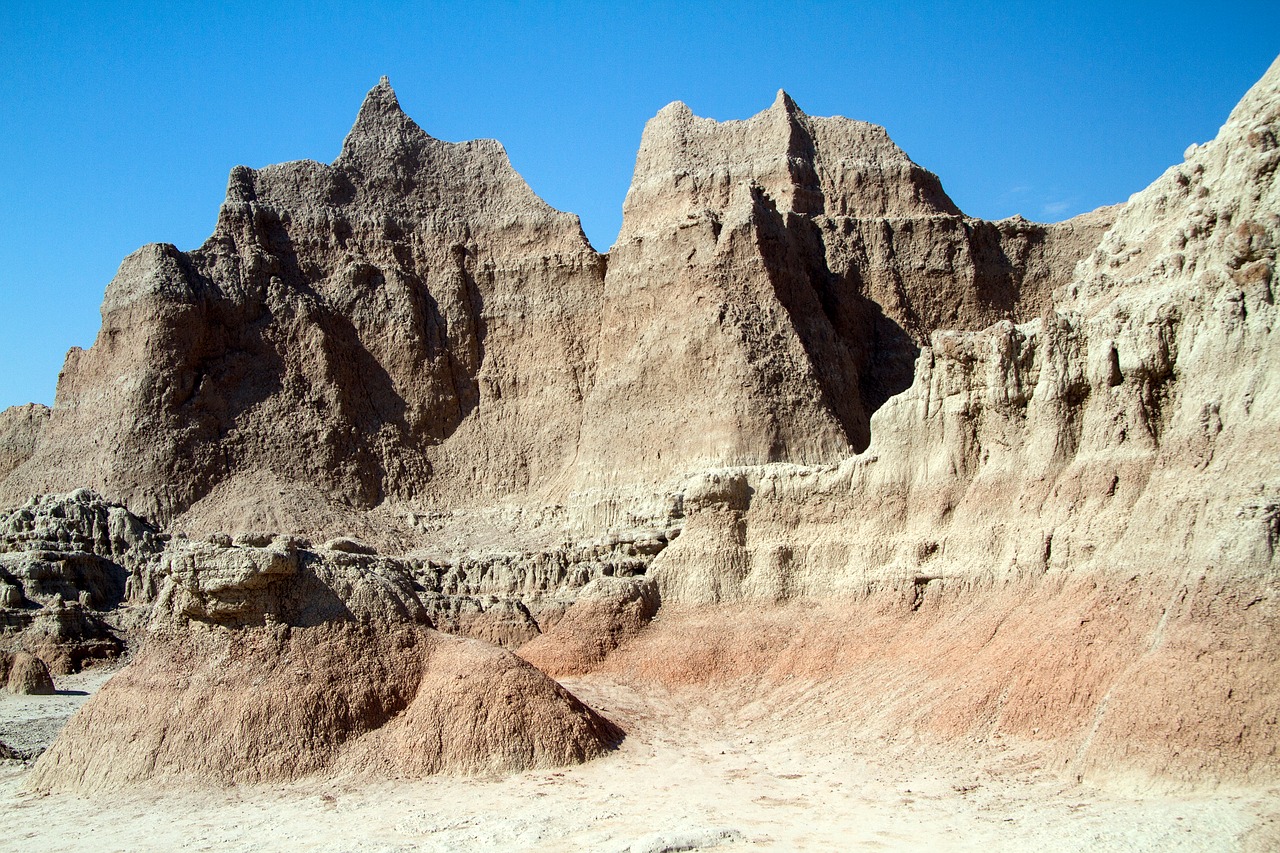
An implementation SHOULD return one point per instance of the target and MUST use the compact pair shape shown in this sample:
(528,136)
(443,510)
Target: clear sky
(121,121)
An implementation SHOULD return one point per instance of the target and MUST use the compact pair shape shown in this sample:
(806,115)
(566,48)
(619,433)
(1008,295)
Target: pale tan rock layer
(19,431)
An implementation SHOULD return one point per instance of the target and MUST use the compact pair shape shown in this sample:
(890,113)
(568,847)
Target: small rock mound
(349,546)
(28,676)
(268,664)
(608,612)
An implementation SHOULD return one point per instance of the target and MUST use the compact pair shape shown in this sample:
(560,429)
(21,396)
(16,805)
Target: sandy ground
(30,723)
(695,772)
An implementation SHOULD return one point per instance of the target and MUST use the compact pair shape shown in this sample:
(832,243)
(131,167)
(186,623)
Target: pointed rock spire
(381,125)
(786,103)
(379,107)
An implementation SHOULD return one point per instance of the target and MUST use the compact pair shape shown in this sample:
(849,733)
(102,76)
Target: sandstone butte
(395,447)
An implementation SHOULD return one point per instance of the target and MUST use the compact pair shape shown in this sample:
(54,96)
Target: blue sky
(121,122)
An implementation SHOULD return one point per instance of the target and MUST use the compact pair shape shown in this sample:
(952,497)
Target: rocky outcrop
(511,598)
(73,578)
(408,320)
(81,522)
(410,330)
(1141,404)
(771,287)
(265,663)
(28,676)
(985,478)
(1114,459)
(605,614)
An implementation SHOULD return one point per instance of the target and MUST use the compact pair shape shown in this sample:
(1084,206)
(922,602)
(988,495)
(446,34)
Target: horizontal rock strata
(807,422)
(263,663)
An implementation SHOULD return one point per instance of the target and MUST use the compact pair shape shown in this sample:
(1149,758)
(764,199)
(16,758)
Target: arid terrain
(698,770)
(816,514)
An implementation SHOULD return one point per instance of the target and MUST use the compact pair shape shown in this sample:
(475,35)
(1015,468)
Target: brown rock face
(608,612)
(409,318)
(411,325)
(267,663)
(1030,471)
(1115,459)
(20,428)
(772,284)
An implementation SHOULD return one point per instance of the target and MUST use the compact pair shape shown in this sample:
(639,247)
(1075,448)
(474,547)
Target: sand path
(696,771)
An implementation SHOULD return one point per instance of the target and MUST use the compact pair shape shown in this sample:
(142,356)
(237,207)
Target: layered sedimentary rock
(267,662)
(771,286)
(409,318)
(812,417)
(74,575)
(1097,487)
(411,329)
(1140,405)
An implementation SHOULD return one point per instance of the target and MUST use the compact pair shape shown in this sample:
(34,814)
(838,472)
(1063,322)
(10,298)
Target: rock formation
(412,329)
(411,318)
(1096,488)
(975,478)
(265,662)
(29,676)
(73,578)
(772,284)
(606,613)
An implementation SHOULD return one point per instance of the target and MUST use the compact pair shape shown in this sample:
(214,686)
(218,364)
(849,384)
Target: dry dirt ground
(695,772)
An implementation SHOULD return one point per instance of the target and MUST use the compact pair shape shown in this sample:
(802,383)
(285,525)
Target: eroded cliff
(979,479)
(409,319)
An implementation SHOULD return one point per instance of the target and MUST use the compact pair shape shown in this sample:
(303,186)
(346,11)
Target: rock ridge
(1045,454)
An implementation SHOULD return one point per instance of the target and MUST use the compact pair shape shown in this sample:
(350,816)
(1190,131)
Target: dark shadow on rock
(309,599)
(859,356)
(234,351)
(998,277)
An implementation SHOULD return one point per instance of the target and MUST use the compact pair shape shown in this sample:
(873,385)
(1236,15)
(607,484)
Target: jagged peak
(676,109)
(380,121)
(381,101)
(782,103)
(786,104)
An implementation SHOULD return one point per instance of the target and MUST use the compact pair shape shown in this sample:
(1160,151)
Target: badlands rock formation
(806,420)
(411,327)
(409,319)
(772,284)
(1090,502)
(73,577)
(265,662)
(28,675)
